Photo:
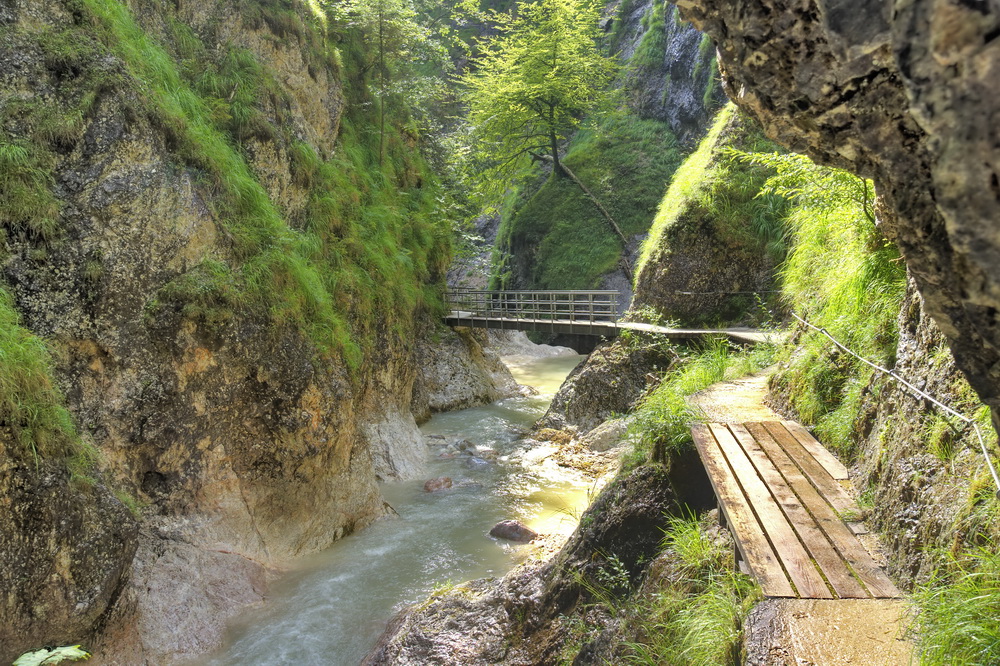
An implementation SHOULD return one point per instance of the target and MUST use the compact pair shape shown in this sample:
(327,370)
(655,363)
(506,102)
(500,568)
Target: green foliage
(696,620)
(369,241)
(651,52)
(957,622)
(560,233)
(662,423)
(530,88)
(711,186)
(31,405)
(26,200)
(842,275)
(52,656)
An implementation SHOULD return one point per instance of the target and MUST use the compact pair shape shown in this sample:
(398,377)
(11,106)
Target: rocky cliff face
(243,437)
(671,72)
(905,95)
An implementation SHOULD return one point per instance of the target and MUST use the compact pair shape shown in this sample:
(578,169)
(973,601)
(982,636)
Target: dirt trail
(736,401)
(809,632)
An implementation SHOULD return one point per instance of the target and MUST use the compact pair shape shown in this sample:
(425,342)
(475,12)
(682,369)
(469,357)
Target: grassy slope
(560,233)
(714,210)
(361,262)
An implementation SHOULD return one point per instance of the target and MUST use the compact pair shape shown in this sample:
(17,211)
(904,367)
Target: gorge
(227,228)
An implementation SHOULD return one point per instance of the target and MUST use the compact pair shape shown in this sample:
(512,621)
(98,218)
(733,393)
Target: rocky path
(809,632)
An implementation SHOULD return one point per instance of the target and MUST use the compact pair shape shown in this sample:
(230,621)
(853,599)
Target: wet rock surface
(458,369)
(903,94)
(513,530)
(438,484)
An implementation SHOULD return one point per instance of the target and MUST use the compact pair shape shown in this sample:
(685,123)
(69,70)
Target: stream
(333,607)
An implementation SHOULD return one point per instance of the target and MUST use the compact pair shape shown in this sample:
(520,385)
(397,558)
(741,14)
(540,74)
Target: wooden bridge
(566,311)
(781,496)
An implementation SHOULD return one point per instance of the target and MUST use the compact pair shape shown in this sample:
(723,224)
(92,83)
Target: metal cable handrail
(922,394)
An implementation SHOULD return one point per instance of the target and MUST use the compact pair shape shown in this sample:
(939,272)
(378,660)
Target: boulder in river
(513,530)
(440,483)
(475,462)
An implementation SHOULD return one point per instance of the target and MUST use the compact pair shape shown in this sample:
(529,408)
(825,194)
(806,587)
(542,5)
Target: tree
(391,29)
(531,86)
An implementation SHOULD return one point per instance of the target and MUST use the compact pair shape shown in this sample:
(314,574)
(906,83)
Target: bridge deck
(779,491)
(604,328)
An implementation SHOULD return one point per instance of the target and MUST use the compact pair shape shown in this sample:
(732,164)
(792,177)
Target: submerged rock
(475,462)
(513,530)
(440,483)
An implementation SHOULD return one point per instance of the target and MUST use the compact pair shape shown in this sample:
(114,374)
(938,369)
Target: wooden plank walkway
(780,494)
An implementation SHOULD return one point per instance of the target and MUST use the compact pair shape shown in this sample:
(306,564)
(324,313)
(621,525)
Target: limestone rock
(513,530)
(440,483)
(699,269)
(904,94)
(456,371)
(611,381)
(65,553)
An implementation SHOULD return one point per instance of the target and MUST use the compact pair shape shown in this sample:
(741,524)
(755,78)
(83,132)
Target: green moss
(843,276)
(560,232)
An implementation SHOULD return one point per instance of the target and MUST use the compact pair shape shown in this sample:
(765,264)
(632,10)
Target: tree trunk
(557,167)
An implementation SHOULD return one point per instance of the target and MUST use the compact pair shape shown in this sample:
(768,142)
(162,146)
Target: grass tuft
(697,620)
(663,420)
(31,405)
(957,622)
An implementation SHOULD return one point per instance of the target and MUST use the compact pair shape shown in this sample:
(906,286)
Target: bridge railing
(549,305)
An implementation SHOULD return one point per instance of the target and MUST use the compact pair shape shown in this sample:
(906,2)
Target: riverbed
(332,608)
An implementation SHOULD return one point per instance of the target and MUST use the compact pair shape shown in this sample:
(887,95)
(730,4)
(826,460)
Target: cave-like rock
(907,94)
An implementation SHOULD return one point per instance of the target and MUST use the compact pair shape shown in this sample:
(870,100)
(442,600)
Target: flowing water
(333,607)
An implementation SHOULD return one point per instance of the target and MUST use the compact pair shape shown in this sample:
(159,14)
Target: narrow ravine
(333,607)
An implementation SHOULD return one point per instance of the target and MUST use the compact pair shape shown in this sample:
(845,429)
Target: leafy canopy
(531,86)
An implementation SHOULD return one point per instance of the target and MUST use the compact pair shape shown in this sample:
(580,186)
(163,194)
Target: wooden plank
(826,518)
(827,486)
(824,457)
(796,560)
(747,532)
(837,574)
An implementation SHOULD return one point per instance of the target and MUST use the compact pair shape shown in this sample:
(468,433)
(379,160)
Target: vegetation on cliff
(554,237)
(31,404)
(717,238)
(552,234)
